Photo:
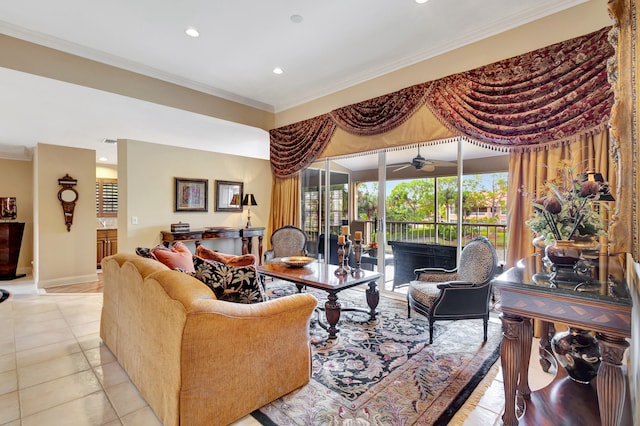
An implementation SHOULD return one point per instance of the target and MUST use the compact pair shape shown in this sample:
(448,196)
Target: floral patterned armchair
(461,293)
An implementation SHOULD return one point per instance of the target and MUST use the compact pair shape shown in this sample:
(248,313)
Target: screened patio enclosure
(387,198)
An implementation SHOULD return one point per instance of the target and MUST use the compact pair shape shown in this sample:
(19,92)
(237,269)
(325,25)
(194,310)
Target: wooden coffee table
(321,276)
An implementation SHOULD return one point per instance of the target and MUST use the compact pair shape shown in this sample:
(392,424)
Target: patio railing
(436,233)
(447,233)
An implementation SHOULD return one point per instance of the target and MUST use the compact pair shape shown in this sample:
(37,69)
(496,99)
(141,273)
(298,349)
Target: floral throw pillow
(145,252)
(230,283)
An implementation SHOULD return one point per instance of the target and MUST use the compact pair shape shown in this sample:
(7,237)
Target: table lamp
(249,200)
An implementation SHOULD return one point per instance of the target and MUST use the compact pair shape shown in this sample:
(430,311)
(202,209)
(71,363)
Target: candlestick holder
(357,253)
(343,268)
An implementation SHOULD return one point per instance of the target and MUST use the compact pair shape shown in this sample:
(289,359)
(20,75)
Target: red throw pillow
(178,256)
(227,259)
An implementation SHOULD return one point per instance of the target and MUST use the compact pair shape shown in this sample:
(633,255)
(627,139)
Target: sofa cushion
(229,259)
(145,252)
(230,283)
(177,257)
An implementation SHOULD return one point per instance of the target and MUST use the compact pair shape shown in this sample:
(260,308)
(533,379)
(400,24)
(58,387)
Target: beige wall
(61,256)
(16,180)
(146,191)
(107,172)
(146,175)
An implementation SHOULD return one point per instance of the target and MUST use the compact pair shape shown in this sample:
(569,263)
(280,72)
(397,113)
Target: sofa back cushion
(230,283)
(177,257)
(229,259)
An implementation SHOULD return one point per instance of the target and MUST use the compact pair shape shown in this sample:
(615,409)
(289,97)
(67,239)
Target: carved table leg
(259,249)
(332,310)
(250,245)
(610,381)
(245,248)
(373,297)
(526,338)
(509,357)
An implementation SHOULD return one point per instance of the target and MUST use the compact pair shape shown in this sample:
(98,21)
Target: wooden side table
(602,306)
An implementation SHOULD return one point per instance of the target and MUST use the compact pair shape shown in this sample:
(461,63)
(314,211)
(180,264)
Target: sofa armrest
(240,343)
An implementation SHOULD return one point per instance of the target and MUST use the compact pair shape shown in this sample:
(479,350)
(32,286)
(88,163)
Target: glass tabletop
(596,278)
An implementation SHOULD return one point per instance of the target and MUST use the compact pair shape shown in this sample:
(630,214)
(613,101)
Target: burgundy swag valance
(546,97)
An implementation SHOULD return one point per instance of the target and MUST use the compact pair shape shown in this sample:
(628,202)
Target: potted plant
(564,210)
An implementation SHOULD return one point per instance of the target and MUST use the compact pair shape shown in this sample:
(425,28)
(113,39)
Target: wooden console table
(214,233)
(601,304)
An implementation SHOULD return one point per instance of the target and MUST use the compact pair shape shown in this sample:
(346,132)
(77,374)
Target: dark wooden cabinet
(107,243)
(10,242)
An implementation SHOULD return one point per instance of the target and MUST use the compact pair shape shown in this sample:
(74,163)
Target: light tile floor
(54,369)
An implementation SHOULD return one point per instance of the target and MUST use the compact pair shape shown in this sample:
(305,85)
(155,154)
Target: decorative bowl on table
(297,261)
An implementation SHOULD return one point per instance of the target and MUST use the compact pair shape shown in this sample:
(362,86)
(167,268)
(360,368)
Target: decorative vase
(577,351)
(563,253)
(588,244)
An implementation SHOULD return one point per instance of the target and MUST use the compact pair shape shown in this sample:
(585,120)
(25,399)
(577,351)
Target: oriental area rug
(385,372)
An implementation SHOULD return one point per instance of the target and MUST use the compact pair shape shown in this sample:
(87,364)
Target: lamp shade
(8,208)
(249,200)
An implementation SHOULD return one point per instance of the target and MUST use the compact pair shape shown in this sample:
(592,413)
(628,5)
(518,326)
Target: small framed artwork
(192,195)
(228,196)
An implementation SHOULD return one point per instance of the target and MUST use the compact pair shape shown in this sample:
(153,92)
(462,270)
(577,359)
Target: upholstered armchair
(455,294)
(286,241)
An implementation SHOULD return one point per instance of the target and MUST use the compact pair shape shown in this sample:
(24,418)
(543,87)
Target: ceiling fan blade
(400,168)
(441,163)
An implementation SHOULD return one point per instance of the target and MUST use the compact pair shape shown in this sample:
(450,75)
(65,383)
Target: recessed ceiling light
(192,32)
(421,1)
(296,19)
(277,70)
(103,159)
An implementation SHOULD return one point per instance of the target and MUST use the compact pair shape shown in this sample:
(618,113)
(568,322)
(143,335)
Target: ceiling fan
(421,163)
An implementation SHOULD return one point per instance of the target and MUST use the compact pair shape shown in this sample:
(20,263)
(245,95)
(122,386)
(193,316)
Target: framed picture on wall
(191,195)
(228,196)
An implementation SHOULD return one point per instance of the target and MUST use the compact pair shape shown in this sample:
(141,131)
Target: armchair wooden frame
(458,293)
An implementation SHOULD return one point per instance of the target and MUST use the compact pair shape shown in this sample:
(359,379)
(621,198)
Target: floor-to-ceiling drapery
(285,203)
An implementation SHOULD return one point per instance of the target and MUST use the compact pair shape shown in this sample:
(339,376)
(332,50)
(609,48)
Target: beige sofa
(197,360)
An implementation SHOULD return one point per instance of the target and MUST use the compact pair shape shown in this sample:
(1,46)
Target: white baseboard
(80,279)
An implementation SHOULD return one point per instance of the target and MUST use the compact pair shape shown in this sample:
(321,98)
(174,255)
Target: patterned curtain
(381,114)
(550,96)
(295,146)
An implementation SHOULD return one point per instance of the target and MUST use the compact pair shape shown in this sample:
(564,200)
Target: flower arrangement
(565,210)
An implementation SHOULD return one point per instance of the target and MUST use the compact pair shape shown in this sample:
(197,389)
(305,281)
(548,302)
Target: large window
(314,214)
(412,194)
